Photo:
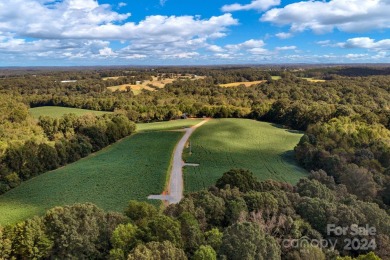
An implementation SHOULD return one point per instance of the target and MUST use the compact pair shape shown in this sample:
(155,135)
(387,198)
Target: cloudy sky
(191,32)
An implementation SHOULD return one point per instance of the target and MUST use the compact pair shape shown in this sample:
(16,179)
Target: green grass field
(130,169)
(137,166)
(57,112)
(223,144)
(167,125)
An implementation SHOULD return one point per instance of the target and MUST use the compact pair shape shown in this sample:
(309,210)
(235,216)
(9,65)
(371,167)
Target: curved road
(175,186)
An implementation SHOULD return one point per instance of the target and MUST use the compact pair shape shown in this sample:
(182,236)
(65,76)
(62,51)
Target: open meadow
(137,166)
(133,168)
(223,144)
(150,85)
(246,84)
(168,125)
(57,112)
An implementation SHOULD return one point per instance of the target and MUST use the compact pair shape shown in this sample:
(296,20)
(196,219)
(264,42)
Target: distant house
(138,82)
(68,81)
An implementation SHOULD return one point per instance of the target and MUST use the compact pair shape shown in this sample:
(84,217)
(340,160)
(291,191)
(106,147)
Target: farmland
(167,125)
(150,85)
(314,80)
(130,169)
(57,112)
(222,144)
(246,84)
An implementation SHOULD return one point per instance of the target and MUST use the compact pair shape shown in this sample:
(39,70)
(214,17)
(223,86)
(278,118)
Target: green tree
(369,256)
(190,232)
(29,240)
(311,253)
(314,189)
(205,253)
(123,240)
(261,201)
(235,209)
(157,251)
(246,241)
(5,245)
(359,181)
(80,231)
(213,207)
(163,228)
(240,178)
(48,157)
(140,212)
(213,238)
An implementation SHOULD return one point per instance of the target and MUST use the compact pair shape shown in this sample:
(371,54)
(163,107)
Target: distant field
(276,77)
(246,84)
(222,144)
(144,85)
(130,169)
(57,112)
(314,80)
(167,125)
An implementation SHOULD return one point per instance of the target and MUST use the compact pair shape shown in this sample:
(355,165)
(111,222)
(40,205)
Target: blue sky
(189,32)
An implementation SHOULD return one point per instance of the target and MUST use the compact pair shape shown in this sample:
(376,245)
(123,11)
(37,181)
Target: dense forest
(346,147)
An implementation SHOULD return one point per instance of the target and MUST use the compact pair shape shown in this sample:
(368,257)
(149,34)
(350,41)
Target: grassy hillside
(57,112)
(167,125)
(130,169)
(222,144)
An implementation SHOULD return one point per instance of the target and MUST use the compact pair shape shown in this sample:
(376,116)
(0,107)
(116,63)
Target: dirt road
(175,187)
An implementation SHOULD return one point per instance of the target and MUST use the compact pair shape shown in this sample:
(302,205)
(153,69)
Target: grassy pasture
(57,112)
(167,125)
(246,84)
(155,82)
(222,144)
(130,169)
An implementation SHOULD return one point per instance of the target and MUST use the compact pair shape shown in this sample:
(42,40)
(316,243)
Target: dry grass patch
(314,80)
(156,82)
(246,84)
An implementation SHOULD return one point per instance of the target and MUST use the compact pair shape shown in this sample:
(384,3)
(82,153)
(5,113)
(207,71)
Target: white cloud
(284,35)
(324,16)
(250,44)
(324,43)
(215,48)
(86,19)
(107,52)
(135,56)
(84,28)
(286,48)
(259,51)
(223,56)
(260,5)
(180,55)
(366,43)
